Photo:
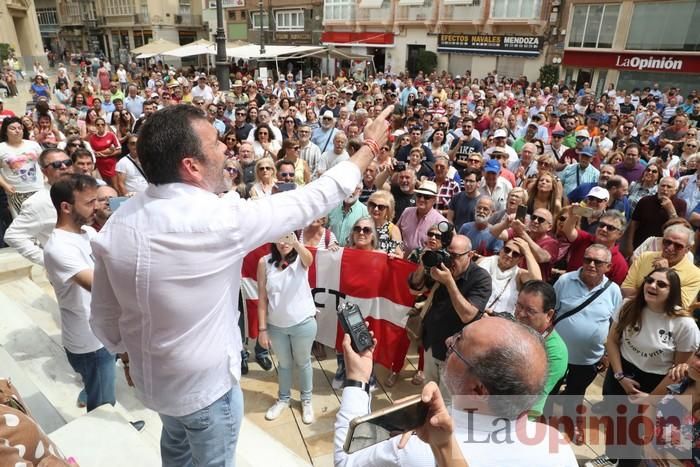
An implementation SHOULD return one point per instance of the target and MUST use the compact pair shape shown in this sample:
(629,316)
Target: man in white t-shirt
(69,265)
(130,176)
(203,90)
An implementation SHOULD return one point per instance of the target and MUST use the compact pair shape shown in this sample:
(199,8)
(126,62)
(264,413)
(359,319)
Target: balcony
(142,18)
(461,12)
(188,20)
(380,15)
(419,12)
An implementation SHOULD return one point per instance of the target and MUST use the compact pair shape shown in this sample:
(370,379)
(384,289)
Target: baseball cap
(492,166)
(328,114)
(427,188)
(599,192)
(559,133)
(587,151)
(583,133)
(500,133)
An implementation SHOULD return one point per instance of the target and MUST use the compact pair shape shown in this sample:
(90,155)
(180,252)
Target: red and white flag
(376,283)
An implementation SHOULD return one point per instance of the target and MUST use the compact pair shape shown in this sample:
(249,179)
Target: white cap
(500,133)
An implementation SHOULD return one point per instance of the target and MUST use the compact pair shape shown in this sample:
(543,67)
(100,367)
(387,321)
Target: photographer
(461,290)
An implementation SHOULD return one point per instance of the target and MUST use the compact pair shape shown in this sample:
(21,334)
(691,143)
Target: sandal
(418,378)
(391,380)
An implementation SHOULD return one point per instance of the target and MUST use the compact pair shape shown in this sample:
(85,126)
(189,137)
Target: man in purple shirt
(415,221)
(630,167)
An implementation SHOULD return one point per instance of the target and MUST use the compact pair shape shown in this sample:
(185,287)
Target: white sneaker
(276,410)
(307,412)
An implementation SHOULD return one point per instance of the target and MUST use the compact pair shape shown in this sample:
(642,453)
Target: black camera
(399,166)
(433,258)
(665,153)
(353,323)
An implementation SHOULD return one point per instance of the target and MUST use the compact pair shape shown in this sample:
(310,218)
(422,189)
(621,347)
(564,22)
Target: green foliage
(4,51)
(549,75)
(426,62)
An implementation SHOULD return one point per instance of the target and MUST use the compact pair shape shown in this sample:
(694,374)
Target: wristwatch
(353,383)
(619,376)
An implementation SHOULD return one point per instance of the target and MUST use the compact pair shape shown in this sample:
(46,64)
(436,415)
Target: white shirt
(289,299)
(20,166)
(135,181)
(167,276)
(472,432)
(500,192)
(31,229)
(65,255)
(512,155)
(206,93)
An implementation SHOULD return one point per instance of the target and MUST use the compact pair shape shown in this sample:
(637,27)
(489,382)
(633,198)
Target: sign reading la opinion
(488,44)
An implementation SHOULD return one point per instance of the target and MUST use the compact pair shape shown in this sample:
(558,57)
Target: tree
(549,75)
(426,62)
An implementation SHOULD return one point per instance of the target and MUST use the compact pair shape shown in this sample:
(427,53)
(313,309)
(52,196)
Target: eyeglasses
(230,139)
(474,161)
(511,252)
(457,255)
(327,118)
(435,235)
(74,145)
(562,218)
(426,197)
(286,174)
(676,245)
(363,230)
(522,309)
(260,169)
(58,164)
(538,219)
(608,227)
(597,262)
(263,133)
(371,205)
(231,170)
(659,284)
(296,148)
(451,348)
(653,171)
(240,114)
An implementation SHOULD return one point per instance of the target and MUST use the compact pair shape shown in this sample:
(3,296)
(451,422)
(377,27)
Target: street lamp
(221,60)
(262,30)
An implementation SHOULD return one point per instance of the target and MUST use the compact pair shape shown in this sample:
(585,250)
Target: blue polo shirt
(585,332)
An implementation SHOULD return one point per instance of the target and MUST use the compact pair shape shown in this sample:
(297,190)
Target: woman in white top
(286,313)
(507,277)
(20,174)
(650,334)
(265,176)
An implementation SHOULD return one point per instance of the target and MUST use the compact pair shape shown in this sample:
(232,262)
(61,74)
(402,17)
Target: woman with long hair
(545,193)
(233,178)
(265,177)
(646,186)
(438,143)
(290,152)
(289,127)
(264,142)
(106,147)
(231,141)
(20,173)
(286,312)
(380,207)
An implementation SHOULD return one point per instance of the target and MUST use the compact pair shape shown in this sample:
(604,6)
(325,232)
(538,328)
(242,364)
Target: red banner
(633,61)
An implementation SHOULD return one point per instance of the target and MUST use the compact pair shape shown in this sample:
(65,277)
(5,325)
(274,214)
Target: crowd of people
(567,214)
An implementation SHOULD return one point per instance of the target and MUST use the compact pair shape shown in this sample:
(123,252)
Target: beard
(80,220)
(481,219)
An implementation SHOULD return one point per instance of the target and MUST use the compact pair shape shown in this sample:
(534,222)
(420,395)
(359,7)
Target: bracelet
(373,146)
(262,330)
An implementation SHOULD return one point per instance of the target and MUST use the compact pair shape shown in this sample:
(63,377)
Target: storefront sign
(487,44)
(672,63)
(293,37)
(358,38)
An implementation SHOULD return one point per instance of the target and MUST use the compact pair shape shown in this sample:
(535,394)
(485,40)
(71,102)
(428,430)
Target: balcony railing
(374,15)
(415,13)
(188,20)
(461,13)
(142,18)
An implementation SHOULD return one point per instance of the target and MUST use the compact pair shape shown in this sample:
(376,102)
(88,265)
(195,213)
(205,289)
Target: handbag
(583,305)
(414,324)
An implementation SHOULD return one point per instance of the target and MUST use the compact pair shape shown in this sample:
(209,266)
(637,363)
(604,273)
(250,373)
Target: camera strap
(583,305)
(428,301)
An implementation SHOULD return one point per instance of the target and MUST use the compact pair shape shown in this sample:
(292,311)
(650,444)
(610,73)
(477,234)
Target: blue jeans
(98,372)
(206,437)
(292,346)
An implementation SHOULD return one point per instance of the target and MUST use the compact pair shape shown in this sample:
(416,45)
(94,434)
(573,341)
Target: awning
(155,47)
(249,51)
(342,53)
(371,3)
(411,2)
(200,47)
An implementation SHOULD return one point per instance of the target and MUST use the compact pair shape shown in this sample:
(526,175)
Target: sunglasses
(435,235)
(676,245)
(58,164)
(538,219)
(231,170)
(511,252)
(74,145)
(659,284)
(264,168)
(286,174)
(597,262)
(371,205)
(421,195)
(608,227)
(591,199)
(364,230)
(653,171)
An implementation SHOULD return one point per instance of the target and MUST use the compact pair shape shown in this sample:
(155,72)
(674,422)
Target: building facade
(632,44)
(19,27)
(509,36)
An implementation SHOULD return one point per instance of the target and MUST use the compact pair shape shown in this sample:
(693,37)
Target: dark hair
(631,311)
(289,143)
(7,122)
(165,139)
(544,290)
(46,153)
(270,134)
(472,171)
(63,191)
(282,162)
(80,152)
(277,259)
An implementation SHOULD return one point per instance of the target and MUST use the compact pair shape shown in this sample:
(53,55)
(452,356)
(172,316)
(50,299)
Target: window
(339,10)
(289,20)
(593,26)
(515,9)
(671,26)
(185,7)
(47,16)
(255,20)
(117,8)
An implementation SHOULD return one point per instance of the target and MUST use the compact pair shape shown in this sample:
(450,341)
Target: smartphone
(282,186)
(115,202)
(521,213)
(582,211)
(383,424)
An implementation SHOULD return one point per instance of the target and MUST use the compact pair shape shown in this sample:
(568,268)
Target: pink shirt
(414,230)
